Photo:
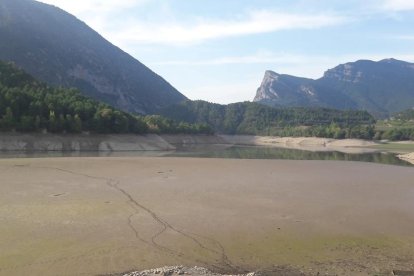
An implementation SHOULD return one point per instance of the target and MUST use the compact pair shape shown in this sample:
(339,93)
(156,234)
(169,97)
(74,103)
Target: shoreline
(109,143)
(130,142)
(305,143)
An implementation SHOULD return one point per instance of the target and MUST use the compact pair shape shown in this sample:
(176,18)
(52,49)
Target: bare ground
(91,216)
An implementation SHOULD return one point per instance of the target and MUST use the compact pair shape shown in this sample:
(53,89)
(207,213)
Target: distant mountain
(381,88)
(57,48)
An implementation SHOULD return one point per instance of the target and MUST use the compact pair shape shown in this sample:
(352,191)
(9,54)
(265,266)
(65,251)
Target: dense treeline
(27,105)
(399,127)
(406,115)
(395,134)
(258,119)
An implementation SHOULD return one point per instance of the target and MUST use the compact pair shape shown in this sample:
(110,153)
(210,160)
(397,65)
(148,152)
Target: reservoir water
(237,152)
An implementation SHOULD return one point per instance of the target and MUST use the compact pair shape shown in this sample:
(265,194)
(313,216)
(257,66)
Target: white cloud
(130,30)
(100,15)
(405,37)
(79,7)
(261,57)
(399,5)
(267,57)
(255,23)
(225,93)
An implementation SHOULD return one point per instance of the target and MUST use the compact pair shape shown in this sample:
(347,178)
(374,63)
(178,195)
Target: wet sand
(91,216)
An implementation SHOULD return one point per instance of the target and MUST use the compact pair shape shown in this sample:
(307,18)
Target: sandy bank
(153,142)
(94,216)
(182,140)
(409,157)
(308,143)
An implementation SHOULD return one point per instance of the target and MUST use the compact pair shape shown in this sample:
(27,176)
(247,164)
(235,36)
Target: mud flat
(94,216)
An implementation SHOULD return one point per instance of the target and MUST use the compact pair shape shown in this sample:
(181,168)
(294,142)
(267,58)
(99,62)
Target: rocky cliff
(382,88)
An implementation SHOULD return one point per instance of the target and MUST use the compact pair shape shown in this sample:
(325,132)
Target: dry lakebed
(103,216)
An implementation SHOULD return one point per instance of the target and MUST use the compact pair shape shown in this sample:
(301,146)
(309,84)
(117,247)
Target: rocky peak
(284,89)
(397,63)
(380,87)
(271,74)
(348,72)
(266,90)
(392,61)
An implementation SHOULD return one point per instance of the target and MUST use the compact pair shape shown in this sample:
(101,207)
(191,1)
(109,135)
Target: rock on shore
(180,270)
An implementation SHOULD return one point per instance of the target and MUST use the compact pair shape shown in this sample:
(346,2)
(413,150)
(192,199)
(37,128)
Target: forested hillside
(258,119)
(28,105)
(406,115)
(60,50)
(399,127)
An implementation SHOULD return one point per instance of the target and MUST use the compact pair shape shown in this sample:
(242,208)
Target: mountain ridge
(56,47)
(380,87)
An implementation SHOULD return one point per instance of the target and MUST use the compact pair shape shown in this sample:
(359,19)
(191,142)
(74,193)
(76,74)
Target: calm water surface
(238,152)
(252,152)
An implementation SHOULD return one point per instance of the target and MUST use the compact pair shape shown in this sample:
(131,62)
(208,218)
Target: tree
(8,121)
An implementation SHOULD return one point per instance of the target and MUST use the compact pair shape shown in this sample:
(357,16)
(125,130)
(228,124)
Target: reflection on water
(220,151)
(44,154)
(292,154)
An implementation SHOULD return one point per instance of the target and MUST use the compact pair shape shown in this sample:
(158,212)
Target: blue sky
(218,50)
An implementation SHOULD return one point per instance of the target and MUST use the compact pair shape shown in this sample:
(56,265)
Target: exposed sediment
(81,142)
(154,142)
(100,142)
(307,143)
(409,157)
(102,216)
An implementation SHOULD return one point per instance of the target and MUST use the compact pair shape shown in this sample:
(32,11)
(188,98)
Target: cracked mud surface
(94,216)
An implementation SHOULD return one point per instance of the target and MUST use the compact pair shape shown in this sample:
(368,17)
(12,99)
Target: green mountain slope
(57,48)
(259,119)
(28,105)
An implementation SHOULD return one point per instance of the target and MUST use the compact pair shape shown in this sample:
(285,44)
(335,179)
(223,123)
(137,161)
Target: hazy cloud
(268,57)
(79,7)
(226,92)
(399,5)
(207,29)
(404,37)
(262,57)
